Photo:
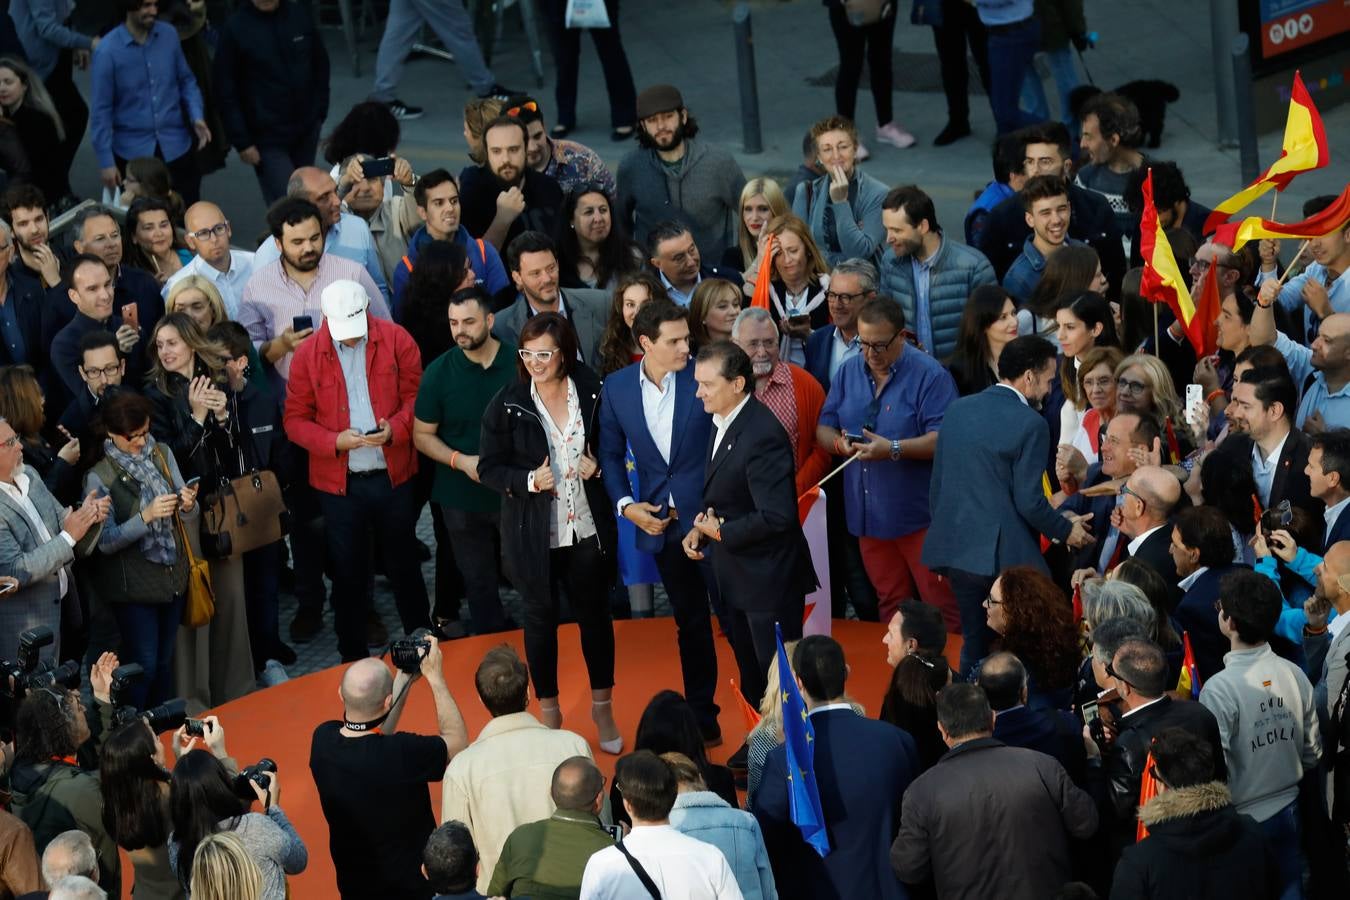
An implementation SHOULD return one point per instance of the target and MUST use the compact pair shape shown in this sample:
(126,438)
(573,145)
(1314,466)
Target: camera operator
(372,781)
(52,794)
(205,798)
(134,779)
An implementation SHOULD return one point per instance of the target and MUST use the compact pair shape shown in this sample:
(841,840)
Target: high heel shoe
(614,746)
(551,716)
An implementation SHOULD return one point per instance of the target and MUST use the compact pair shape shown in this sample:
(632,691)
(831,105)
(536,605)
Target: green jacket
(544,860)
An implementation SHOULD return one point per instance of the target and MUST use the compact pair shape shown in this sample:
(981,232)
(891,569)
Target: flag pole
(839,468)
(1274,201)
(1289,268)
(1157,347)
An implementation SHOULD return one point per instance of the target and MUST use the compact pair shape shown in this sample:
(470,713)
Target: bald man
(372,779)
(1321,371)
(1150,495)
(548,857)
(345,235)
(208,235)
(1326,645)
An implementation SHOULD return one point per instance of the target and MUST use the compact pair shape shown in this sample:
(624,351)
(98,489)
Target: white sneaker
(893,134)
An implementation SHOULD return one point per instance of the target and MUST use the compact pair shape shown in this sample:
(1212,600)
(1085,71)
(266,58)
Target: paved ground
(689,43)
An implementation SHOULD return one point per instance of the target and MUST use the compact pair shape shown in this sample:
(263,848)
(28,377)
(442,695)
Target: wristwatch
(896,452)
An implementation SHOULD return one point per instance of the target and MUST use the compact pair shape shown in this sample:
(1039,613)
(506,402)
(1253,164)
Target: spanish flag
(1162,281)
(1305,149)
(1189,682)
(1148,789)
(1253,228)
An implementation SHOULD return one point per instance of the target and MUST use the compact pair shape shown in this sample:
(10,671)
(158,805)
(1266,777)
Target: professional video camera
(253,774)
(407,653)
(32,672)
(167,716)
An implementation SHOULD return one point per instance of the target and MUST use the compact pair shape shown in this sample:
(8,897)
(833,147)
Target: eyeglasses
(877,346)
(1112,673)
(515,111)
(767,344)
(1201,265)
(1097,383)
(10,441)
(138,436)
(1125,386)
(833,296)
(542,356)
(990,601)
(215,231)
(1125,491)
(104,373)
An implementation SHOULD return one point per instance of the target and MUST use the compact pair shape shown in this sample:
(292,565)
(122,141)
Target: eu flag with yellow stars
(799,740)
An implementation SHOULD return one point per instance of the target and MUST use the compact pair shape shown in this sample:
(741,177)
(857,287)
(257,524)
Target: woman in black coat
(539,450)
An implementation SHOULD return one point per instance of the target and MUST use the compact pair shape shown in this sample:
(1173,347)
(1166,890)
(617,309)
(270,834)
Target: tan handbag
(200,607)
(242,515)
(861,13)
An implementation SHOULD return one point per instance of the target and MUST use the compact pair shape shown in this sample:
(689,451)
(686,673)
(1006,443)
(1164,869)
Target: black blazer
(513,444)
(762,563)
(1154,551)
(1290,481)
(1053,732)
(26,295)
(1197,617)
(1339,531)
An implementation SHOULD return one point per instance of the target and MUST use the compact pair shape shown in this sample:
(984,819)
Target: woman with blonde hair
(712,311)
(799,280)
(1144,386)
(478,112)
(200,300)
(223,870)
(769,732)
(761,200)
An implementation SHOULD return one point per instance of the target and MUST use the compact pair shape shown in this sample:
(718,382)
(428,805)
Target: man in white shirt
(208,234)
(1149,496)
(1261,421)
(673,864)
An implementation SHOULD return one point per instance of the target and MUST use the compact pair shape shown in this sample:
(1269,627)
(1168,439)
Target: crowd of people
(599,382)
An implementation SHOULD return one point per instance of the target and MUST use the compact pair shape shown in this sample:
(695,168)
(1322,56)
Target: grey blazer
(35,563)
(587,310)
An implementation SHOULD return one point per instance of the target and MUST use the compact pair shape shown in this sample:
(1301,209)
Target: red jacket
(316,402)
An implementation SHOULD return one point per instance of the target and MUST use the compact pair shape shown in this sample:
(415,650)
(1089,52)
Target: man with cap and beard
(672,173)
(506,197)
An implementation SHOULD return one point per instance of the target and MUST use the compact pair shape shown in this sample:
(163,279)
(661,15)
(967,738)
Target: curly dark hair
(618,341)
(439,272)
(617,254)
(135,802)
(368,127)
(687,130)
(43,727)
(1040,629)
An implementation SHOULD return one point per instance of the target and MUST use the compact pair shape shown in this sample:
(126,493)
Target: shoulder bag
(640,872)
(200,607)
(243,513)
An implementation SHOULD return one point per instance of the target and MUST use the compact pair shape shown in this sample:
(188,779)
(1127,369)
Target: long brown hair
(815,260)
(206,353)
(1040,629)
(1069,270)
(617,343)
(21,401)
(708,292)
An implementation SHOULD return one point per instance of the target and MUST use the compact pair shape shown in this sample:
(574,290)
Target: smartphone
(1090,712)
(193,481)
(1194,394)
(854,438)
(196,727)
(131,315)
(300,323)
(802,319)
(615,831)
(375,430)
(378,168)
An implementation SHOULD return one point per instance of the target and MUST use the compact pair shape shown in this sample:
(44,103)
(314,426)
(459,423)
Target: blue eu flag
(799,739)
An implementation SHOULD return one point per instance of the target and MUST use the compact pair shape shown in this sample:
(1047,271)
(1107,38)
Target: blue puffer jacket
(706,816)
(956,271)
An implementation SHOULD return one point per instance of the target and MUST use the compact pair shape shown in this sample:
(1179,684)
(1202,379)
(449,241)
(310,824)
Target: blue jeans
(1282,835)
(276,162)
(148,634)
(450,22)
(1066,79)
(1011,50)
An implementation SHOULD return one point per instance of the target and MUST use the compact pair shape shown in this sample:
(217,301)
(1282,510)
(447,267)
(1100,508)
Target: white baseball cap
(344,308)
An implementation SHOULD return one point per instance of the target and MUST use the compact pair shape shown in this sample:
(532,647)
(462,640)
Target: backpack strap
(407,264)
(482,251)
(640,872)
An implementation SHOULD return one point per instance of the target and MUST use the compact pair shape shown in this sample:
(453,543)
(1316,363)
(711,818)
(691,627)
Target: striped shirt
(272,299)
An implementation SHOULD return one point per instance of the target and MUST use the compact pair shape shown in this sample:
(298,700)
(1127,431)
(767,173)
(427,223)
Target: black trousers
(581,570)
(372,510)
(754,643)
(872,43)
(474,540)
(848,577)
(70,106)
(687,587)
(613,62)
(960,26)
(184,175)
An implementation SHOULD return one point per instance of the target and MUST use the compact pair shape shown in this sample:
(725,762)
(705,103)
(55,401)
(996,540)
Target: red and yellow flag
(1253,228)
(1189,682)
(1148,789)
(1162,281)
(1305,149)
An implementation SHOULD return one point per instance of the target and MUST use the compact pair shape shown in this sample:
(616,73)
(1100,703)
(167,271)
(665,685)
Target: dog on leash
(1149,96)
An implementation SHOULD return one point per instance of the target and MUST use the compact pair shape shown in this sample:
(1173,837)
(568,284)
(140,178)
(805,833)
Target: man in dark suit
(1138,672)
(1261,417)
(1328,472)
(1053,732)
(862,769)
(1202,548)
(750,526)
(21,304)
(651,407)
(1149,496)
(988,504)
(533,265)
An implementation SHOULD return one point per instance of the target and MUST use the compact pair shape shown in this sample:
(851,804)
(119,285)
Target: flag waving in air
(1254,228)
(1305,149)
(1189,682)
(799,739)
(1162,281)
(1148,789)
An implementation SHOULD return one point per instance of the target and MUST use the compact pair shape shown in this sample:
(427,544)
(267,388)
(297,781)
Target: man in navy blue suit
(862,769)
(1202,548)
(651,407)
(988,504)
(1328,472)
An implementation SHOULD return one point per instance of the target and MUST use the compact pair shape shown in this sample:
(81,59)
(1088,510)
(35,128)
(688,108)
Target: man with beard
(986,499)
(1322,370)
(671,172)
(288,287)
(927,274)
(534,268)
(506,197)
(1262,436)
(789,392)
(344,234)
(25,211)
(572,165)
(455,391)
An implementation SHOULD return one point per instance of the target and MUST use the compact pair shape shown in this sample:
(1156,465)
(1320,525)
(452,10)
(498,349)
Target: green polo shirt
(454,394)
(546,859)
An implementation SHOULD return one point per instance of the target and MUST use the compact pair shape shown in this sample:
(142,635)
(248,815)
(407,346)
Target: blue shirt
(359,409)
(1025,273)
(1334,407)
(139,95)
(40,25)
(885,498)
(675,293)
(349,238)
(1291,295)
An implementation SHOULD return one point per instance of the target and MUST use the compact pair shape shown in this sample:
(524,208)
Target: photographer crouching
(372,781)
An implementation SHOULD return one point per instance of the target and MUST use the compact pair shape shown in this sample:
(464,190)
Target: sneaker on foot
(403,112)
(498,90)
(893,134)
(863,153)
(953,132)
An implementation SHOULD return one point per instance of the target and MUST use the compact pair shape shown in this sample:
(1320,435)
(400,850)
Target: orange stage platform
(279,721)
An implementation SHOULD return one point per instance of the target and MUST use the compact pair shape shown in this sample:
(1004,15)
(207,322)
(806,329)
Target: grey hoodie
(704,194)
